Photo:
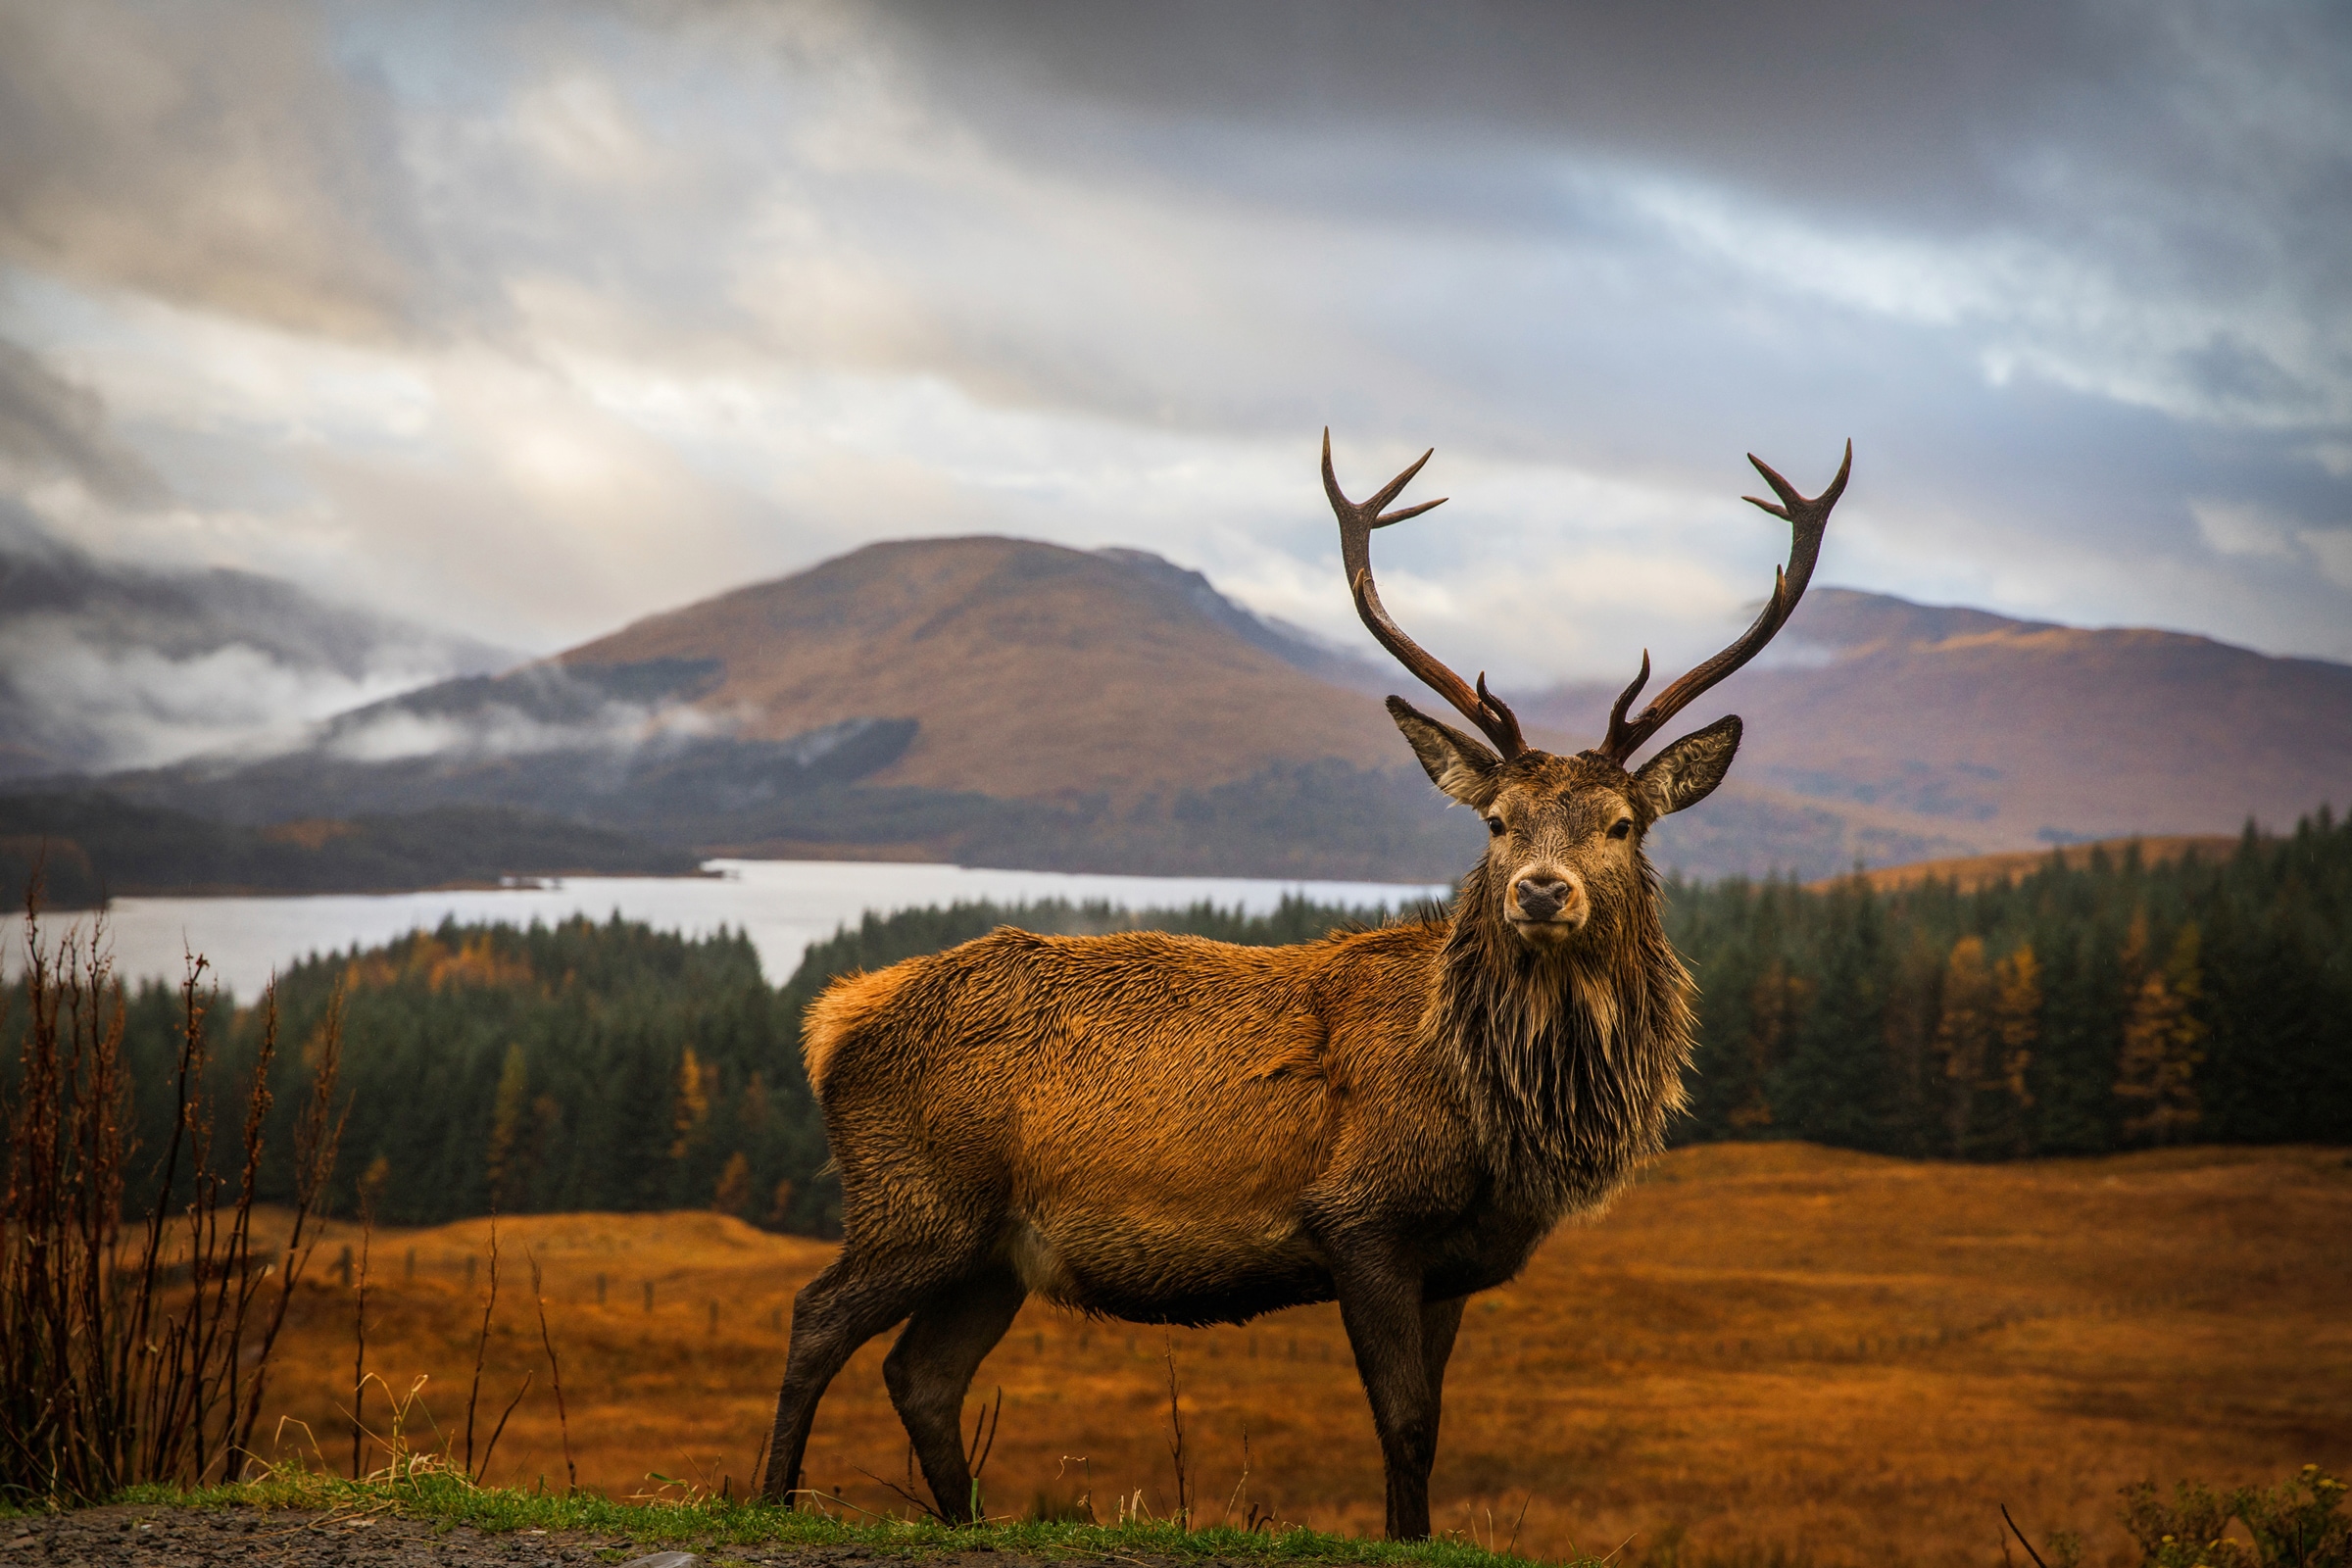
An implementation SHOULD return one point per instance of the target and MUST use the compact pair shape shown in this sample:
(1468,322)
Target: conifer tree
(1837,1087)
(2082,1014)
(1775,1006)
(1912,1001)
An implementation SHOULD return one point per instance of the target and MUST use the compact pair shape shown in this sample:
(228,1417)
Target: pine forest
(2088,1009)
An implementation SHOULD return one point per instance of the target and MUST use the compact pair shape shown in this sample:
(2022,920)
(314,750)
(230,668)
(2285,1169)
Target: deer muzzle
(1547,904)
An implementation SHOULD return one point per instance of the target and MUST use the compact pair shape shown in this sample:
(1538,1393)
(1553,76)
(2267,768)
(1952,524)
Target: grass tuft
(707,1524)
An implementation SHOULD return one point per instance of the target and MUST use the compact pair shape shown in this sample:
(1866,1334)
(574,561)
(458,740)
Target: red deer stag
(1170,1130)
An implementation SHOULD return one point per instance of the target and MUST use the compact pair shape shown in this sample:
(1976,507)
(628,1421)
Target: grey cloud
(50,426)
(1861,99)
(104,666)
(2058,269)
(1291,174)
(211,155)
(1915,107)
(2169,149)
(2229,371)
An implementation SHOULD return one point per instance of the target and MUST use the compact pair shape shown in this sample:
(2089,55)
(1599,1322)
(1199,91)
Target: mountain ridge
(2004,734)
(1001,702)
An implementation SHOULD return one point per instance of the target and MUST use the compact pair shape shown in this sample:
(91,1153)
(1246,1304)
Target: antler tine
(1356,522)
(1790,498)
(1807,517)
(1625,697)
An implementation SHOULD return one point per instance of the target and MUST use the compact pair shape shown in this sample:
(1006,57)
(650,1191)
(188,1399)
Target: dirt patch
(186,1537)
(146,1536)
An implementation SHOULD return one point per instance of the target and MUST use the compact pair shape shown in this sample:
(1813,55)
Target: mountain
(997,701)
(1931,731)
(1031,672)
(984,700)
(105,665)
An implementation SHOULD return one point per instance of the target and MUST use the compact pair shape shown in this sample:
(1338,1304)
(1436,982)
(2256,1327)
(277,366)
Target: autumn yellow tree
(2016,1030)
(691,1104)
(734,1191)
(2163,1037)
(510,1147)
(1964,1032)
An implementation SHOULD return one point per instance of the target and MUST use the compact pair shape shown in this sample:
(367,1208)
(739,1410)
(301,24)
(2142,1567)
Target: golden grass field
(1764,1353)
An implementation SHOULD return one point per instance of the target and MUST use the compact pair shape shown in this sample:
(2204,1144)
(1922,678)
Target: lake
(782,905)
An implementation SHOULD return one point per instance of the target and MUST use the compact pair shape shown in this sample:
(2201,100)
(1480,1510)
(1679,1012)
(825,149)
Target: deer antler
(1356,522)
(1807,517)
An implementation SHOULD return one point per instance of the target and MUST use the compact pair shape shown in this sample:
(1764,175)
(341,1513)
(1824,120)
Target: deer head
(1564,863)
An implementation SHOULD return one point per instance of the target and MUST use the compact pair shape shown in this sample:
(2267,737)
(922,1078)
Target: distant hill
(1967,873)
(1926,731)
(998,702)
(90,846)
(1032,671)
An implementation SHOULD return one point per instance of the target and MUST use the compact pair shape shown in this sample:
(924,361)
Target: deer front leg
(1381,1306)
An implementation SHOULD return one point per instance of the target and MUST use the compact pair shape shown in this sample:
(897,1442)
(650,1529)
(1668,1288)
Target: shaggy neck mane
(1571,1062)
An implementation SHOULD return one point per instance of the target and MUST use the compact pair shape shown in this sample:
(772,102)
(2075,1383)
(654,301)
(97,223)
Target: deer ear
(1687,771)
(1454,763)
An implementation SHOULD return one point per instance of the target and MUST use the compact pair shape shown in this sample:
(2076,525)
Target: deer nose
(1539,899)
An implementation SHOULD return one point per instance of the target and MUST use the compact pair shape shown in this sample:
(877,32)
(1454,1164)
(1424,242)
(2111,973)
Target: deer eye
(1621,827)
(1495,827)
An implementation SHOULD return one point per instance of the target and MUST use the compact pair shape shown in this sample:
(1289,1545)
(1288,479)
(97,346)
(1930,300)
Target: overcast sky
(525,320)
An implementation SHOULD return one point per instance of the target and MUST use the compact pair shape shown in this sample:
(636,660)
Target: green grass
(712,1525)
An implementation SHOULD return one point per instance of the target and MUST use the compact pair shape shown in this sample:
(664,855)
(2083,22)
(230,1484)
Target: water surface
(783,906)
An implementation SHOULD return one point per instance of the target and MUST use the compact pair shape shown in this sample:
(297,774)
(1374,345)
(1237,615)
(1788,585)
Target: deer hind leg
(931,1367)
(858,1295)
(1382,1312)
(1441,1321)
